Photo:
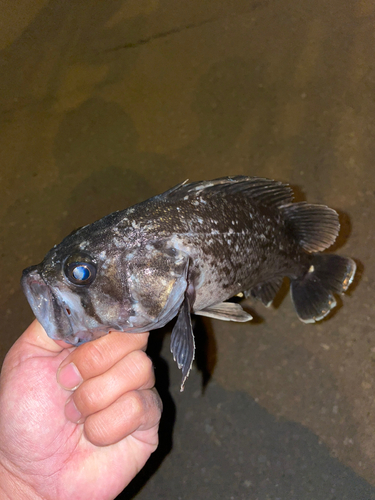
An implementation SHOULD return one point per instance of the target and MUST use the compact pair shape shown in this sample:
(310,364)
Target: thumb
(34,342)
(36,336)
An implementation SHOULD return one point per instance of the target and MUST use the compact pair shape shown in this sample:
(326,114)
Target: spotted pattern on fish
(189,250)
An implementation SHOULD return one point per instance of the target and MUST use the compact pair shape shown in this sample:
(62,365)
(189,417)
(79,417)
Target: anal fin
(265,292)
(182,341)
(226,311)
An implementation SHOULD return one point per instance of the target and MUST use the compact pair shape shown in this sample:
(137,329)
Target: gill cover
(157,284)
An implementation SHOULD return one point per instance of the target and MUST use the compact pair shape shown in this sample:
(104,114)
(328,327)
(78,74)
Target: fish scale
(197,225)
(187,251)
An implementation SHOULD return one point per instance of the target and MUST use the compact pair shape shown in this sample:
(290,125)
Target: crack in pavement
(173,31)
(163,34)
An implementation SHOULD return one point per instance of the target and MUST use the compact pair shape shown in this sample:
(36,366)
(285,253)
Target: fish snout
(44,304)
(36,291)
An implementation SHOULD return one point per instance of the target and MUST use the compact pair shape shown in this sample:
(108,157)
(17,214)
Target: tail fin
(312,294)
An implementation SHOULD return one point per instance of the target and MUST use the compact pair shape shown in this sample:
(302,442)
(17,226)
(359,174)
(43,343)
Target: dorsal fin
(315,226)
(265,191)
(168,194)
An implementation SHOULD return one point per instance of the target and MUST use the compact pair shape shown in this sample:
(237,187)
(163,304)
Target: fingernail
(71,411)
(69,377)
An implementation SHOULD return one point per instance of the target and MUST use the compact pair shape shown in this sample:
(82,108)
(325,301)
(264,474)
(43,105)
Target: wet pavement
(104,104)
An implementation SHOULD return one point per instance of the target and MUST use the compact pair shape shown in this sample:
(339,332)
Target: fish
(188,251)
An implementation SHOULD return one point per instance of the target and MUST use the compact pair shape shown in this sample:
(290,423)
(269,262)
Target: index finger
(98,356)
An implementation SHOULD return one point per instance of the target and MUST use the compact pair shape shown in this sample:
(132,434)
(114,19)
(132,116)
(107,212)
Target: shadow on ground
(243,450)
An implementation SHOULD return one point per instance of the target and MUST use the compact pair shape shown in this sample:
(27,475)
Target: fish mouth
(55,317)
(45,305)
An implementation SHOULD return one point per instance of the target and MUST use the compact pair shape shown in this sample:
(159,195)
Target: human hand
(50,451)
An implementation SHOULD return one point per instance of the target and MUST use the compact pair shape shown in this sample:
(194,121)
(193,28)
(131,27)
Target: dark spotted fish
(187,251)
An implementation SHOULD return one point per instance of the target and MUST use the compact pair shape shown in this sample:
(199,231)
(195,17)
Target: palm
(52,453)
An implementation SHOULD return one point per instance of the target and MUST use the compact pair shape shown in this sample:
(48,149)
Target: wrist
(14,488)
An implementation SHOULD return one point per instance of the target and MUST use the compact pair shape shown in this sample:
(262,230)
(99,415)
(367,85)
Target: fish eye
(80,273)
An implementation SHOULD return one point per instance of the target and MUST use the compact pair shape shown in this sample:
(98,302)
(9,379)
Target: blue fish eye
(80,273)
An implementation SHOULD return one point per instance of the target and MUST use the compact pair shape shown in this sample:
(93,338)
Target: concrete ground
(103,104)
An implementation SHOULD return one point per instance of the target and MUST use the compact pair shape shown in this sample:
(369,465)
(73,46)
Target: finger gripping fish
(187,251)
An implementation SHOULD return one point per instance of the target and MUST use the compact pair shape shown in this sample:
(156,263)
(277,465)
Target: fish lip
(51,313)
(45,305)
(83,336)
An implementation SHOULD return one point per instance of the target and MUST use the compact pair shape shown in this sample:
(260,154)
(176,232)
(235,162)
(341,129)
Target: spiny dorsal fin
(315,226)
(265,191)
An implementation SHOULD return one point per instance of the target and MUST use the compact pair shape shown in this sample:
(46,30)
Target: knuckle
(91,357)
(96,432)
(145,362)
(158,401)
(86,399)
(154,404)
(140,365)
(136,404)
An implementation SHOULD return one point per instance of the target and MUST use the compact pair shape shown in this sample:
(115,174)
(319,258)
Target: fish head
(82,291)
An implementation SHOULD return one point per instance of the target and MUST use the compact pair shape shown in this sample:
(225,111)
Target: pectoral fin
(226,311)
(182,341)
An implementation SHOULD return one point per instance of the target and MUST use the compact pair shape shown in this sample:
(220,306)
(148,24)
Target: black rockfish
(187,251)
